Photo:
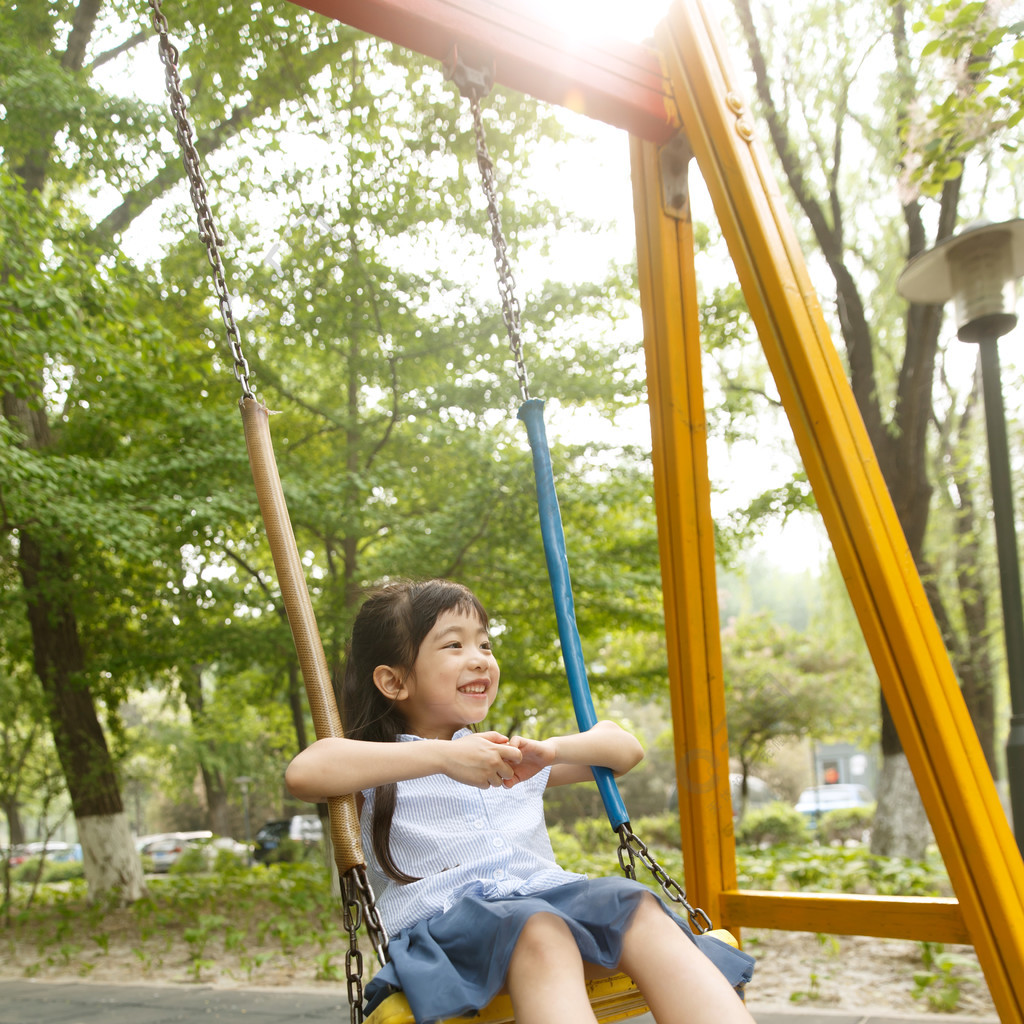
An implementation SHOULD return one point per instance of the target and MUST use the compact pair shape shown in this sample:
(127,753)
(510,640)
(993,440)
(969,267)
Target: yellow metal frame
(917,679)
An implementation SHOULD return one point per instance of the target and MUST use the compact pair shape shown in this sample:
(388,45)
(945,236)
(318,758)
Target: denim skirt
(454,964)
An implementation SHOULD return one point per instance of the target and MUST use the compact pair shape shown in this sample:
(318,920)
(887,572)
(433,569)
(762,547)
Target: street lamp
(243,781)
(978,269)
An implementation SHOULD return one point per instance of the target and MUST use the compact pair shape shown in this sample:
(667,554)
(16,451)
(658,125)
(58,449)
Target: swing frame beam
(679,101)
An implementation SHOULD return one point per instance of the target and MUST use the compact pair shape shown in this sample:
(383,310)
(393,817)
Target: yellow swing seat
(614,998)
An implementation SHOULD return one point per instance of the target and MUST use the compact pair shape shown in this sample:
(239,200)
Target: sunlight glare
(590,21)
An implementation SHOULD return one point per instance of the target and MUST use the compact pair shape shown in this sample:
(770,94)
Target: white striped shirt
(459,841)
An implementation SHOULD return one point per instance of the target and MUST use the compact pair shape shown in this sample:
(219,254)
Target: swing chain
(474,83)
(353,956)
(197,190)
(631,846)
(374,925)
(360,907)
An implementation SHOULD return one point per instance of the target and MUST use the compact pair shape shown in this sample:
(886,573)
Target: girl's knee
(649,914)
(543,936)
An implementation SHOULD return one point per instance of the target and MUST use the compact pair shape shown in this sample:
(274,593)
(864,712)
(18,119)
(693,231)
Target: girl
(455,841)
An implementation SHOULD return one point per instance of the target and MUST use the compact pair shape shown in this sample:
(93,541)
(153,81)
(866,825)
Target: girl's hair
(388,630)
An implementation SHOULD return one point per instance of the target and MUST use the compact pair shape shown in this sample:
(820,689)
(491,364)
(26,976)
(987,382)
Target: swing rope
(474,83)
(359,903)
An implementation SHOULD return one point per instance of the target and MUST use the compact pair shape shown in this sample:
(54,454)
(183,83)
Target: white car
(819,800)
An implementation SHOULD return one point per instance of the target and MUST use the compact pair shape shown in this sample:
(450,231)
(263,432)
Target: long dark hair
(388,630)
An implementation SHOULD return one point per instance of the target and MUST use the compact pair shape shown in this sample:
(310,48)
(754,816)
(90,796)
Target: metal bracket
(675,190)
(473,81)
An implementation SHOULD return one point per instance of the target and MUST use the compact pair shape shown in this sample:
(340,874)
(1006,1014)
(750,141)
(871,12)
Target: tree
(389,371)
(69,309)
(781,684)
(825,128)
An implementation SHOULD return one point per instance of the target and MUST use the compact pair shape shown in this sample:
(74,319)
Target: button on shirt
(459,841)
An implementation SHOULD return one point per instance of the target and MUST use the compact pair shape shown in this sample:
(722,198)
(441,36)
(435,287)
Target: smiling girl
(456,844)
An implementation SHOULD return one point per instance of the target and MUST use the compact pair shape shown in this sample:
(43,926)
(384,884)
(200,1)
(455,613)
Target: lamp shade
(977,268)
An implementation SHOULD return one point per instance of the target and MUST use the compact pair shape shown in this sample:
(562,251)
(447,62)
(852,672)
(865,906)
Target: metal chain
(197,189)
(631,846)
(474,83)
(354,955)
(374,925)
(360,908)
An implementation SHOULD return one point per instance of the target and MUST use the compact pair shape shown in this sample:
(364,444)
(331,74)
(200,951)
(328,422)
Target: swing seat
(614,998)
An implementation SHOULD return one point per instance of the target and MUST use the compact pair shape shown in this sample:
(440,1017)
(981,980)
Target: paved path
(83,1002)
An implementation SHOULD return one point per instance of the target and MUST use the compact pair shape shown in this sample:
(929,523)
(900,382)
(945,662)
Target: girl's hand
(537,754)
(483,760)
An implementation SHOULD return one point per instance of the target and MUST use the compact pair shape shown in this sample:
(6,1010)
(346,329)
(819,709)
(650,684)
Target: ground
(849,973)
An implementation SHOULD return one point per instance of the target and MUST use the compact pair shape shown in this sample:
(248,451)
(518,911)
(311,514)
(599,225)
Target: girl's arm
(337,767)
(606,745)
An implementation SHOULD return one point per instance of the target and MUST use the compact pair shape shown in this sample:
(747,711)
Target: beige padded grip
(348,849)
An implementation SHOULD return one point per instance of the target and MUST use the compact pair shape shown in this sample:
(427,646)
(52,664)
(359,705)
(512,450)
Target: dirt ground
(848,973)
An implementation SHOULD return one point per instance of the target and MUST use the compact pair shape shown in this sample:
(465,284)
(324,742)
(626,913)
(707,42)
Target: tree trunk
(213,780)
(15,829)
(78,736)
(904,830)
(112,864)
(216,802)
(47,576)
(297,704)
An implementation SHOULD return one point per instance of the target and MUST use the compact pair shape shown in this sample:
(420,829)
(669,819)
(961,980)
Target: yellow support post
(682,490)
(981,856)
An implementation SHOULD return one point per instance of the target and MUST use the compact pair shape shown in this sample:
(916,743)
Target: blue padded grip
(531,412)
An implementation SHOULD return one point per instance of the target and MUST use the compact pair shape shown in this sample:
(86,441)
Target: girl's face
(454,680)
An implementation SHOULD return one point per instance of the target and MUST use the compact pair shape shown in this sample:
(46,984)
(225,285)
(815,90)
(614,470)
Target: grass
(281,924)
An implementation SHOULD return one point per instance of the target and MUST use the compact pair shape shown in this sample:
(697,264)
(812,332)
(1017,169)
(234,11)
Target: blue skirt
(454,964)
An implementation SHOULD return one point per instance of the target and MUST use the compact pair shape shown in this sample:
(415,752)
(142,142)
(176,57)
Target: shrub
(658,830)
(62,870)
(226,862)
(293,851)
(846,823)
(776,823)
(192,861)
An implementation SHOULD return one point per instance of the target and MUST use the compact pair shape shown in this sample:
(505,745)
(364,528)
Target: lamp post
(978,268)
(243,781)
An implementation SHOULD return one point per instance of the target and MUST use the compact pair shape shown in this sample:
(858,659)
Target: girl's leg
(545,975)
(676,979)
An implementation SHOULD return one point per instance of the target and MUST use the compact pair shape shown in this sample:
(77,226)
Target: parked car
(54,849)
(819,800)
(160,852)
(306,829)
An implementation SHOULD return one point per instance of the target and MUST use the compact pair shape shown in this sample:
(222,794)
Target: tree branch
(849,305)
(128,44)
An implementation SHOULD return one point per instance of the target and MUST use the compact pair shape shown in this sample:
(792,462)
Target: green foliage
(193,860)
(47,872)
(975,56)
(775,824)
(292,851)
(387,365)
(940,981)
(848,823)
(839,869)
(781,684)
